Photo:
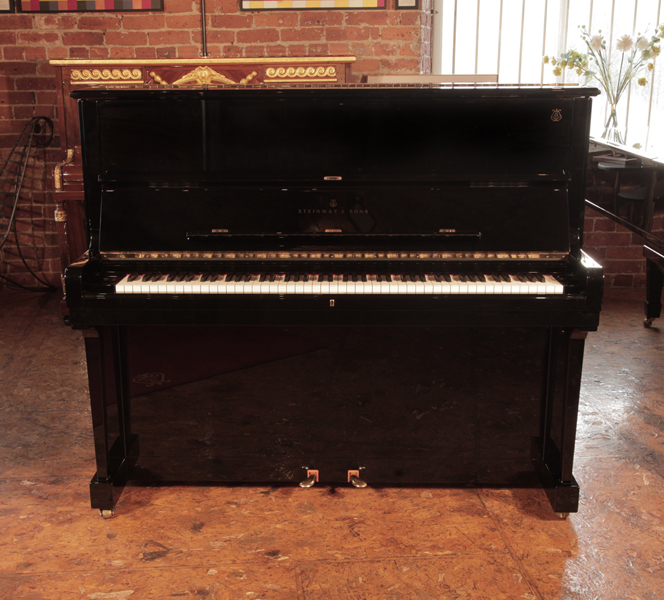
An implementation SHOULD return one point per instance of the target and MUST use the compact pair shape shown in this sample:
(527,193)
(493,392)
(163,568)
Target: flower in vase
(613,73)
(596,42)
(625,43)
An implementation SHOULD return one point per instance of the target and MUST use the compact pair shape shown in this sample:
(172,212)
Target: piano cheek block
(356,285)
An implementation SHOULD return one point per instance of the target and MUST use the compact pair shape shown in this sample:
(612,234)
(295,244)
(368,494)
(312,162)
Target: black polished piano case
(335,285)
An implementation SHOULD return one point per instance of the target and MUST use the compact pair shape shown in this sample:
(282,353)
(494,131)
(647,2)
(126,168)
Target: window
(510,37)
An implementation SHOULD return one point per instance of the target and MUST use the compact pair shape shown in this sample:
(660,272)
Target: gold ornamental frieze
(204,76)
(291,74)
(86,76)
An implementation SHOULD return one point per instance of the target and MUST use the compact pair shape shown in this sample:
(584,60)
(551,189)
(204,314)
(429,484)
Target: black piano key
(506,278)
(133,277)
(539,277)
(189,276)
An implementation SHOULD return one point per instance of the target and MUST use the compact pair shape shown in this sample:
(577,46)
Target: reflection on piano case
(364,283)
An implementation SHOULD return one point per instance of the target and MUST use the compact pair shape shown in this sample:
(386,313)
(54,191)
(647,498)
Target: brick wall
(383,41)
(618,250)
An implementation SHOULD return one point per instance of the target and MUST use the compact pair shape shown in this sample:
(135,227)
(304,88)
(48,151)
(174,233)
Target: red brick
(183,22)
(297,50)
(16,22)
(7,38)
(181,6)
(308,34)
(13,69)
(60,22)
(276,50)
(99,53)
(400,33)
(163,38)
(188,51)
(232,52)
(119,38)
(122,52)
(14,53)
(624,252)
(17,98)
(339,49)
(608,239)
(57,53)
(318,50)
(241,21)
(275,19)
(144,22)
(317,18)
(257,36)
(145,52)
(366,65)
(83,38)
(368,17)
(221,36)
(81,52)
(622,281)
(167,52)
(101,23)
(348,33)
(254,51)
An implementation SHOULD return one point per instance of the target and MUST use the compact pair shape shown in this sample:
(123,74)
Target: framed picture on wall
(310,4)
(88,5)
(407,3)
(6,6)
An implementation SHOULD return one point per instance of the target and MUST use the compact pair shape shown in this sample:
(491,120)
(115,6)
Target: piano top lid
(455,90)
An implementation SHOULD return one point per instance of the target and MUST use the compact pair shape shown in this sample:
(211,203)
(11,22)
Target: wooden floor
(325,543)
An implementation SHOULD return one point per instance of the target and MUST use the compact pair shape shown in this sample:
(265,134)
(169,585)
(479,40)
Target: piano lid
(477,169)
(325,135)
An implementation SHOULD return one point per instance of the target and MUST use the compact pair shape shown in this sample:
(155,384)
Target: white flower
(596,42)
(625,43)
(641,44)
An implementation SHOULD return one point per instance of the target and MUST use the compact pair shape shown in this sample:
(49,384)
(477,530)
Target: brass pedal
(354,478)
(312,478)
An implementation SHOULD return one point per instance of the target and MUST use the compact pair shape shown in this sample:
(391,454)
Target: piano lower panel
(405,405)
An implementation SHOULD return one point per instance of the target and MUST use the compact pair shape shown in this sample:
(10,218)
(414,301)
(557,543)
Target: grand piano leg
(553,451)
(654,284)
(116,449)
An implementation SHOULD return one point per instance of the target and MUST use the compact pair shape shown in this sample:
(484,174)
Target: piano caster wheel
(563,516)
(312,478)
(105,514)
(647,322)
(354,478)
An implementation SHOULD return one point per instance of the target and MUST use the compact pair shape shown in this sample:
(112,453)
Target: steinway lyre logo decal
(333,203)
(556,114)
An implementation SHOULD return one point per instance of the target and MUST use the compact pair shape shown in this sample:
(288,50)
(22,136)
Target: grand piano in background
(335,285)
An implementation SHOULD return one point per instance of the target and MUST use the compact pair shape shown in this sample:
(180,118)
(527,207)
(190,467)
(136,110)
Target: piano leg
(654,284)
(116,449)
(553,451)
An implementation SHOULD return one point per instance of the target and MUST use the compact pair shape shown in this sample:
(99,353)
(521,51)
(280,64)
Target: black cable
(41,132)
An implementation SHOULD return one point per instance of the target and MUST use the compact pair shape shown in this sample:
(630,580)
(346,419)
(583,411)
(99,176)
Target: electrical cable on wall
(37,132)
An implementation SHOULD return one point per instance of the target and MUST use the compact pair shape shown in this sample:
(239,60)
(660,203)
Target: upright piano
(345,285)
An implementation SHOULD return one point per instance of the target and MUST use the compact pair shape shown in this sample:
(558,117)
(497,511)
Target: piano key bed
(323,284)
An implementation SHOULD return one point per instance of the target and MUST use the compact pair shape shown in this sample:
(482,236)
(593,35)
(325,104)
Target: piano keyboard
(280,283)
